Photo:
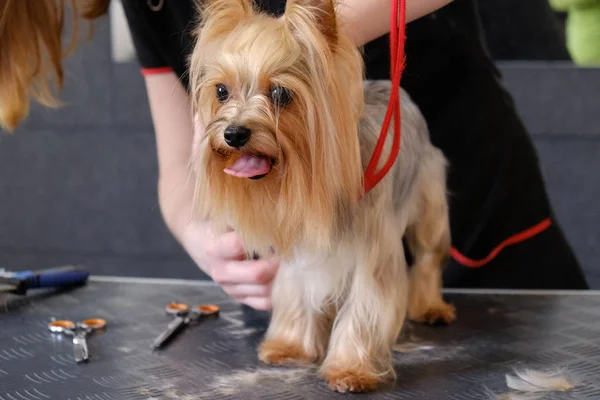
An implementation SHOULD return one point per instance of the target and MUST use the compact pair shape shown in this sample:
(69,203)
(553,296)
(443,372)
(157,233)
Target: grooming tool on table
(79,331)
(183,317)
(22,281)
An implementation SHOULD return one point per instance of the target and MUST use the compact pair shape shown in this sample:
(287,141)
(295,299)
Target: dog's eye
(222,93)
(280,96)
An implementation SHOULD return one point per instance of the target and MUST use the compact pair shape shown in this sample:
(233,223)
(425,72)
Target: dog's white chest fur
(320,277)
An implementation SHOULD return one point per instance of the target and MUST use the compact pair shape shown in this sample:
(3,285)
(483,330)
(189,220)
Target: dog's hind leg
(428,238)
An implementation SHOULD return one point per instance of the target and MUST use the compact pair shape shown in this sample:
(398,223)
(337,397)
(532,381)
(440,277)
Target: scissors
(183,317)
(79,331)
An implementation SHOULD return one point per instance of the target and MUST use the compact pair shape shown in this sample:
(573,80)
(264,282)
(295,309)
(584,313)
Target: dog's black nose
(237,136)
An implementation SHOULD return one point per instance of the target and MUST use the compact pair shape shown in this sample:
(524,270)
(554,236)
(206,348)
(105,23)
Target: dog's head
(279,99)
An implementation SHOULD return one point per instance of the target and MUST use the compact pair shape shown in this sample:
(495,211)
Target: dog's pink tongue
(248,166)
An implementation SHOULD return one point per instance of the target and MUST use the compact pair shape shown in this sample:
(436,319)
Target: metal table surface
(495,332)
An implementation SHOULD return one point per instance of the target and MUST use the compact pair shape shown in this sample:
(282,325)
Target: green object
(582,29)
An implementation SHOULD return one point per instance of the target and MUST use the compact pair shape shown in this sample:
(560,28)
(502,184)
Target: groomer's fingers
(227,246)
(247,290)
(258,303)
(256,272)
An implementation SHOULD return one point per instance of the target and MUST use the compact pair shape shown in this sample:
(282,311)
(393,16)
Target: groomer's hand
(222,258)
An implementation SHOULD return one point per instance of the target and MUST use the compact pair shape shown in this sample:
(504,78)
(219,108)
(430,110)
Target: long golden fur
(342,292)
(249,55)
(32,50)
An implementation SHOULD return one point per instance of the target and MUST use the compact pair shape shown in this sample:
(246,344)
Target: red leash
(397,39)
(372,177)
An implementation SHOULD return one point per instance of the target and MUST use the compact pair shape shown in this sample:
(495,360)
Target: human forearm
(176,205)
(366,20)
(170,107)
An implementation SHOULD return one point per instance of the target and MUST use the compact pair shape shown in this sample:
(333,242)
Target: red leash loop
(372,177)
(397,39)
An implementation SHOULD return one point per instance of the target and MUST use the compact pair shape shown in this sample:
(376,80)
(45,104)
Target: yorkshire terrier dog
(289,128)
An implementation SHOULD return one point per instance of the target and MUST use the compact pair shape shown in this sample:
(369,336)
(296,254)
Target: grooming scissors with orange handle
(183,317)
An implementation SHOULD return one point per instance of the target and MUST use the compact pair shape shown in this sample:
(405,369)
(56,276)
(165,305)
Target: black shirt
(495,186)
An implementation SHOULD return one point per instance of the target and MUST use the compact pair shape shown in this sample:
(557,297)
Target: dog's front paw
(441,312)
(278,352)
(341,380)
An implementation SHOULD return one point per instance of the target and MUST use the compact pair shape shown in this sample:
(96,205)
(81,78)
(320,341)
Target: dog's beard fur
(341,294)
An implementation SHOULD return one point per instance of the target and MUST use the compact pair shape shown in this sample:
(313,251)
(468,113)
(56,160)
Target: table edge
(205,283)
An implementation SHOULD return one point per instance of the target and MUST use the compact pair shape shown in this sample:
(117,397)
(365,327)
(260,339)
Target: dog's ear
(318,12)
(221,16)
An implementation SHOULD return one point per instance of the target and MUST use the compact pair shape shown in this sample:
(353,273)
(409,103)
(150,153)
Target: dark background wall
(78,184)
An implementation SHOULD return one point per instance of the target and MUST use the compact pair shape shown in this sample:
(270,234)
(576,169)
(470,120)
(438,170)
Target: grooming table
(495,332)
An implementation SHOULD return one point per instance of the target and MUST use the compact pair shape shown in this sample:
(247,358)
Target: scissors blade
(80,348)
(174,328)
